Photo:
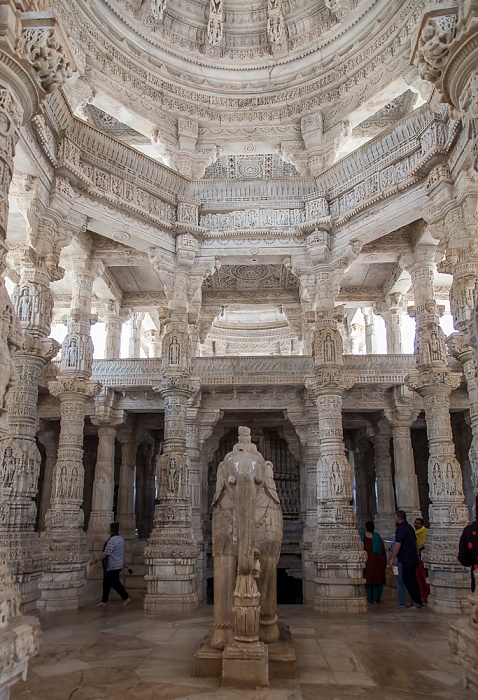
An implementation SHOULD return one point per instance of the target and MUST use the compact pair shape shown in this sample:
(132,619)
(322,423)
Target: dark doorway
(289,589)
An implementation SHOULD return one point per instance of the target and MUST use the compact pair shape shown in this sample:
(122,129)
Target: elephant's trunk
(245,500)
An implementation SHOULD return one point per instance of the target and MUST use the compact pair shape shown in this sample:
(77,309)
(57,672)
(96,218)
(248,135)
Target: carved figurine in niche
(72,354)
(173,476)
(25,305)
(62,485)
(434,344)
(337,480)
(73,491)
(438,485)
(246,537)
(174,351)
(329,349)
(9,334)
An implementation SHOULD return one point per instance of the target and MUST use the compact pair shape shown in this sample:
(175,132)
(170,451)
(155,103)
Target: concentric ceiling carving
(241,277)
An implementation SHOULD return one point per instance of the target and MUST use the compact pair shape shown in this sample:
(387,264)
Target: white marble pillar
(64,540)
(384,518)
(172,575)
(392,310)
(127,483)
(434,381)
(370,335)
(135,326)
(113,329)
(48,437)
(101,514)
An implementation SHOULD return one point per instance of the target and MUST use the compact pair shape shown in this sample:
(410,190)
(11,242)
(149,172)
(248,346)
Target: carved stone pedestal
(208,662)
(63,583)
(245,666)
(19,634)
(339,581)
(463,639)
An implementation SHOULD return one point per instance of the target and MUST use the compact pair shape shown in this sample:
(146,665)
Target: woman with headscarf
(374,571)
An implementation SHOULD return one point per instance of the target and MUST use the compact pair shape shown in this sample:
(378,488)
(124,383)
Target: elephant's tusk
(259,480)
(232,479)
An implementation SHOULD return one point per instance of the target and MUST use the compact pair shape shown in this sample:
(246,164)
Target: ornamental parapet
(386,370)
(119,176)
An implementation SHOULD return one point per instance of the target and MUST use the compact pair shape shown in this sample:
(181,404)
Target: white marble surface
(101,654)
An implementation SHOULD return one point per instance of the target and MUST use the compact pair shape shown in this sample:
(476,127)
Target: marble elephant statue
(246,543)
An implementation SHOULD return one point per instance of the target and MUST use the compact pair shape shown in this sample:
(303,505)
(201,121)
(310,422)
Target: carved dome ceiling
(203,77)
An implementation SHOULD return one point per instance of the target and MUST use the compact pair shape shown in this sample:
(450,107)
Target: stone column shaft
(49,440)
(406,483)
(113,329)
(127,485)
(103,486)
(384,519)
(64,541)
(434,381)
(172,550)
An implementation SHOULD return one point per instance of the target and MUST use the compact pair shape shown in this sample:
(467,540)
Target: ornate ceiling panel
(242,167)
(241,277)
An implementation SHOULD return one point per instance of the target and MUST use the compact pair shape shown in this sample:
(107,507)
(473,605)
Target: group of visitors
(407,546)
(406,559)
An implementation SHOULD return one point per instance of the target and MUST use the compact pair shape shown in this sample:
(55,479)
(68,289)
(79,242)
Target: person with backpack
(468,547)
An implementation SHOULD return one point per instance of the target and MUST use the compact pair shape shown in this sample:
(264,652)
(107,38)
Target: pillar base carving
(463,639)
(63,582)
(19,634)
(171,556)
(449,581)
(26,560)
(339,584)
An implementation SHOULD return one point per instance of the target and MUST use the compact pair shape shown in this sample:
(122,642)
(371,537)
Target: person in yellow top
(421,534)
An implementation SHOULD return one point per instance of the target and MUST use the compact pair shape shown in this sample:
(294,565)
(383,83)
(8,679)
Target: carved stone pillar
(172,549)
(338,549)
(391,311)
(384,519)
(401,417)
(135,325)
(434,382)
(127,483)
(339,554)
(49,439)
(307,428)
(199,427)
(462,263)
(64,541)
(370,336)
(18,449)
(101,514)
(23,84)
(113,328)
(152,339)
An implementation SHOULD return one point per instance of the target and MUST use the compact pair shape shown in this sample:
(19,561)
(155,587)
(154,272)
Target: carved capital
(41,47)
(62,387)
(433,380)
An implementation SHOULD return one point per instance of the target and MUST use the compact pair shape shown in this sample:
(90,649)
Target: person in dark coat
(405,550)
(374,571)
(468,547)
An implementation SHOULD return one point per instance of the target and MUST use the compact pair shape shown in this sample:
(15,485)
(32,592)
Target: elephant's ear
(220,484)
(269,484)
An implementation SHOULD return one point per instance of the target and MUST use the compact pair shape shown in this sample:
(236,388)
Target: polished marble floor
(127,654)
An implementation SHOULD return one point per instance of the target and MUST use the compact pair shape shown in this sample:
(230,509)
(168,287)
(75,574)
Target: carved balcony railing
(242,371)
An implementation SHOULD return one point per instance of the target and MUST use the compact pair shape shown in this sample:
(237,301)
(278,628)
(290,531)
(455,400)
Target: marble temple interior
(216,214)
